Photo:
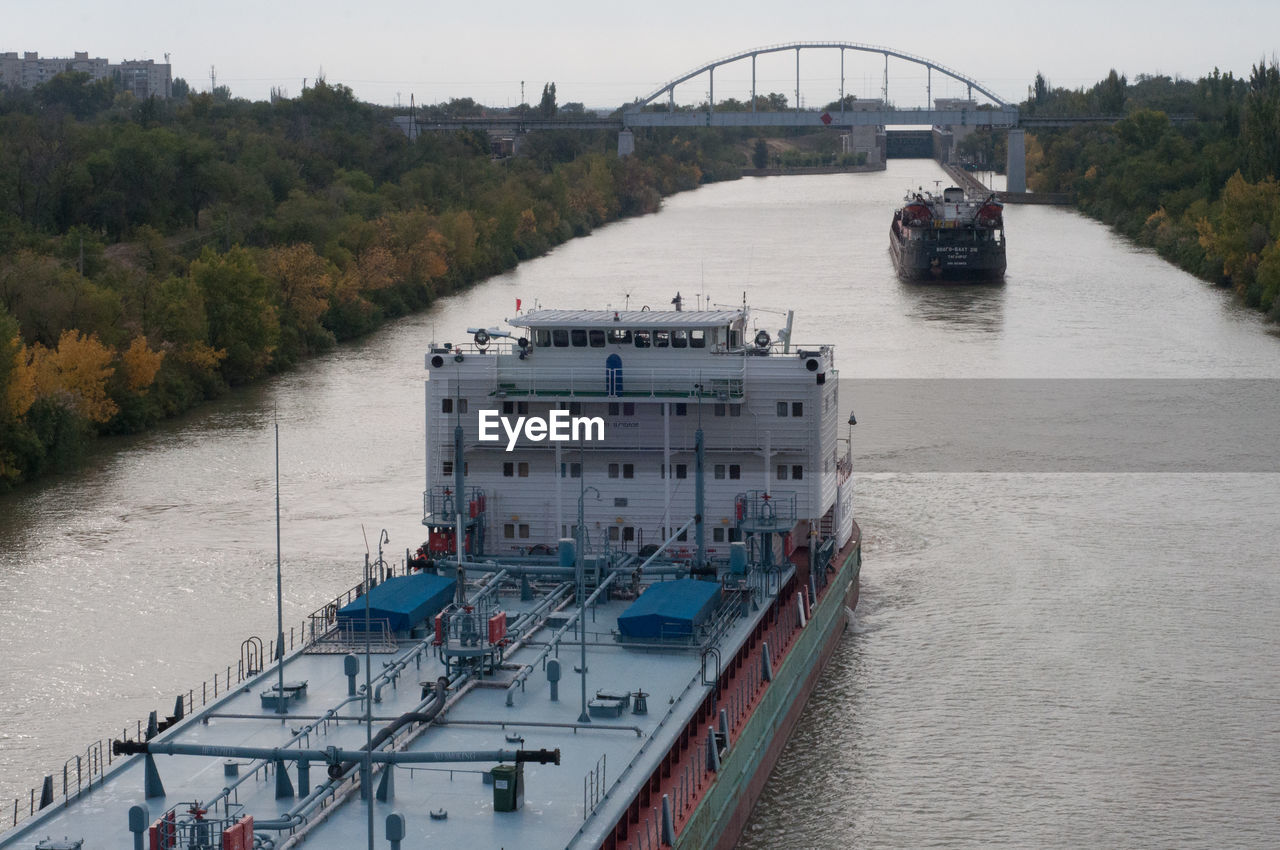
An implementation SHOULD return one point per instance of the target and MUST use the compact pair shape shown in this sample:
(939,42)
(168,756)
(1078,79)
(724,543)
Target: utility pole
(213,79)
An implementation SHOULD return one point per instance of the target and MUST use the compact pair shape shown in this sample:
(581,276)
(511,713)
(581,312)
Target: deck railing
(82,771)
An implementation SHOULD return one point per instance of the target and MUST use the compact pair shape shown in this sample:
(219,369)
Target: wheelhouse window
(697,338)
(578,336)
(560,338)
(619,336)
(595,338)
(541,337)
(446,405)
(680,339)
(661,339)
(642,339)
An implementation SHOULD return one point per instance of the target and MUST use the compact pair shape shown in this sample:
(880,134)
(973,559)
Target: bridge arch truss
(668,88)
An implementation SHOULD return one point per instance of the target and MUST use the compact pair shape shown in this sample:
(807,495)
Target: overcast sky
(606,53)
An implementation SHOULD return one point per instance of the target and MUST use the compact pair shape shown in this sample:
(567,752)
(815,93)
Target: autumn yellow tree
(305,283)
(73,375)
(140,365)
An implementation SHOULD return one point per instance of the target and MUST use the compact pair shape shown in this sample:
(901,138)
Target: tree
(1111,93)
(547,106)
(180,89)
(305,284)
(1040,89)
(760,154)
(242,319)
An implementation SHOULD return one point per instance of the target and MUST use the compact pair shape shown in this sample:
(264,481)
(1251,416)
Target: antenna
(213,79)
(280,706)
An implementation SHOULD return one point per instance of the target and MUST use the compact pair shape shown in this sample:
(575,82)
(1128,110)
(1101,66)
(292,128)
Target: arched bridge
(998,113)
(864,118)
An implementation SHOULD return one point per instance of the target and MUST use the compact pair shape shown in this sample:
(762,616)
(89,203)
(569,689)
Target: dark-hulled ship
(948,238)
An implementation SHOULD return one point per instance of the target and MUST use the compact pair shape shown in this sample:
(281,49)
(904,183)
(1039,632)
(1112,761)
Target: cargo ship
(640,553)
(948,237)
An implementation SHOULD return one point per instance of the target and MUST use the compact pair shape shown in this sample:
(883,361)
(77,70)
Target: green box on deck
(508,787)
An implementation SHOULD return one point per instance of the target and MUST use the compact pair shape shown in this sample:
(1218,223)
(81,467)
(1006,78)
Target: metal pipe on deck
(555,639)
(331,755)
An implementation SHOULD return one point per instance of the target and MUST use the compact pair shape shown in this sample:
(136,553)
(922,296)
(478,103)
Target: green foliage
(760,154)
(230,239)
(1202,193)
(547,106)
(242,320)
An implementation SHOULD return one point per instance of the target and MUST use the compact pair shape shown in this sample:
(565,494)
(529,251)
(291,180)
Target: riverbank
(117,314)
(814,169)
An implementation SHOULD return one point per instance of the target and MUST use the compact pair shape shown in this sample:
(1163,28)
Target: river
(1039,658)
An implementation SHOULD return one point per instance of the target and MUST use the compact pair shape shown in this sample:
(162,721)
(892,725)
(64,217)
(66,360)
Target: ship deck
(574,804)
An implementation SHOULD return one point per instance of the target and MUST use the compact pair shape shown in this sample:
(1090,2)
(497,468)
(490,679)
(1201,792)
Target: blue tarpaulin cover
(670,609)
(404,601)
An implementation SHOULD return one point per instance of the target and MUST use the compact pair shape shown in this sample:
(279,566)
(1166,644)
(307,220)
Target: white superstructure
(768,410)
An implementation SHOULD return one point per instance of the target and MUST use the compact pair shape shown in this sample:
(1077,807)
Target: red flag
(517,305)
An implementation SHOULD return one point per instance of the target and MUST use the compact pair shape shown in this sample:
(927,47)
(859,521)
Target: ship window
(560,338)
(595,337)
(628,533)
(797,408)
(719,471)
(717,534)
(508,470)
(683,536)
(735,410)
(613,470)
(682,408)
(619,336)
(578,337)
(682,471)
(447,467)
(542,337)
(735,535)
(721,409)
(642,339)
(575,408)
(782,408)
(446,405)
(782,472)
(628,470)
(522,469)
(733,339)
(571,470)
(679,339)
(524,531)
(735,472)
(509,407)
(797,472)
(661,339)
(613,533)
(509,531)
(697,338)
(625,408)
